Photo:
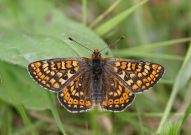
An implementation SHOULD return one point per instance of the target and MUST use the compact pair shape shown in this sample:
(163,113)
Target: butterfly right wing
(117,97)
(137,75)
(53,74)
(76,96)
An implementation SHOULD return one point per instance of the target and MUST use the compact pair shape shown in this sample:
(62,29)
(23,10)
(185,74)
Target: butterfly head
(96,54)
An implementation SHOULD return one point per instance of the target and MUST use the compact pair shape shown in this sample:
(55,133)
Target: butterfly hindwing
(76,96)
(117,97)
(136,75)
(52,74)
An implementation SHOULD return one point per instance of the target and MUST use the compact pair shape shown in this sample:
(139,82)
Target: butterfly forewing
(136,75)
(53,74)
(76,96)
(117,97)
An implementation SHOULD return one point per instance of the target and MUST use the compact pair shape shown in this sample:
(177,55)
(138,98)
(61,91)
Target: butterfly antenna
(71,39)
(114,43)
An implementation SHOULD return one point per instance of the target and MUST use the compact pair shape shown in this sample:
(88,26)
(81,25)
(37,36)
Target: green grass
(185,73)
(157,31)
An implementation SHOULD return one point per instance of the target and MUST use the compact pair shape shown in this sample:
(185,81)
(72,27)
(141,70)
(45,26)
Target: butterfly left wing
(76,95)
(136,75)
(116,96)
(53,74)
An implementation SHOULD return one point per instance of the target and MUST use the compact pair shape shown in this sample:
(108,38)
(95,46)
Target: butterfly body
(82,83)
(97,70)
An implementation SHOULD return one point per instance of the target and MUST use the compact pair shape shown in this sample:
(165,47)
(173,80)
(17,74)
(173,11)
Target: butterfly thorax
(96,63)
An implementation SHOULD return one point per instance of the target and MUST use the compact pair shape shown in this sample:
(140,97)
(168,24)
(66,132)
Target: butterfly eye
(98,54)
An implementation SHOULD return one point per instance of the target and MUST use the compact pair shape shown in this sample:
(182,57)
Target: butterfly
(82,83)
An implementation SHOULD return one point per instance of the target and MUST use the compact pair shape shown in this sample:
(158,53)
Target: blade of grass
(138,19)
(26,119)
(84,10)
(154,46)
(10,121)
(185,73)
(107,26)
(171,128)
(6,119)
(105,13)
(150,114)
(26,130)
(166,81)
(186,101)
(95,126)
(186,115)
(147,55)
(55,113)
(74,130)
(130,120)
(140,119)
(174,128)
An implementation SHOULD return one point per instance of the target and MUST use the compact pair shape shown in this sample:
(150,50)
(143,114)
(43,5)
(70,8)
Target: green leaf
(17,88)
(49,40)
(107,26)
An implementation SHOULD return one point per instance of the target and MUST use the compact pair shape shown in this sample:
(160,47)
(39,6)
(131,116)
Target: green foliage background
(157,31)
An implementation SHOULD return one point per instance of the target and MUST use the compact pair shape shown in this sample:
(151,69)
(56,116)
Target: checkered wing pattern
(76,96)
(137,76)
(53,74)
(117,97)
